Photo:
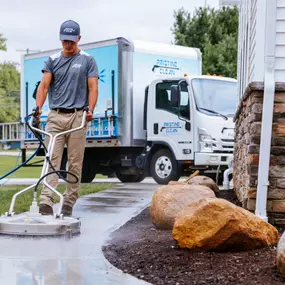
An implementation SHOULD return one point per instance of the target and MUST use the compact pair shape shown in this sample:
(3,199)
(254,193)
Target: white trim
(267,111)
(23,91)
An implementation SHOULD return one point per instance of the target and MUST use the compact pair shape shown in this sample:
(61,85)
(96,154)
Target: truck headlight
(205,141)
(204,138)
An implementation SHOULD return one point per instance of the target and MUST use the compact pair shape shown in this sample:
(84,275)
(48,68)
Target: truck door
(171,125)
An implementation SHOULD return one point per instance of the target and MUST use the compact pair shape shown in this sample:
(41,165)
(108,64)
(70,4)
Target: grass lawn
(7,163)
(24,201)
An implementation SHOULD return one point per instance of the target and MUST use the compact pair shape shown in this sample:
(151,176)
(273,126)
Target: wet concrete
(27,181)
(78,261)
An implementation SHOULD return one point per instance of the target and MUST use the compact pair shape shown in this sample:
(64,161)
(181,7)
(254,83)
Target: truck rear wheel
(88,171)
(163,167)
(130,178)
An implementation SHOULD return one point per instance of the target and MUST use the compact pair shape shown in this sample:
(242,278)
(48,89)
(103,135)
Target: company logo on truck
(171,127)
(166,67)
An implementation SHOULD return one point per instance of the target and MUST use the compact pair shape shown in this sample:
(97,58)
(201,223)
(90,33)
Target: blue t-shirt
(69,86)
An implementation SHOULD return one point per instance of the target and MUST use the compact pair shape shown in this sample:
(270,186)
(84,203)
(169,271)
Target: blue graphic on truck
(107,104)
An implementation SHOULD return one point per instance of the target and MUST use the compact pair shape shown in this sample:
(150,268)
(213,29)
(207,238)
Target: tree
(215,33)
(2,43)
(9,89)
(9,93)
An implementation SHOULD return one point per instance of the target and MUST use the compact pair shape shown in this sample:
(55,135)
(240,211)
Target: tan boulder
(169,200)
(176,183)
(185,181)
(280,262)
(204,180)
(216,224)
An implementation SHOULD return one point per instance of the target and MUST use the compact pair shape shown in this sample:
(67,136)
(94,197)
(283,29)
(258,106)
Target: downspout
(267,110)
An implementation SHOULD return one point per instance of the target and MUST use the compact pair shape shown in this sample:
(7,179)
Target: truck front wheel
(163,167)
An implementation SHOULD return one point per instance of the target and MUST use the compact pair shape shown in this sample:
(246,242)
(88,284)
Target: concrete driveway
(78,261)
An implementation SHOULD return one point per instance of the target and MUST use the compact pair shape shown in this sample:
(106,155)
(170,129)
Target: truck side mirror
(175,96)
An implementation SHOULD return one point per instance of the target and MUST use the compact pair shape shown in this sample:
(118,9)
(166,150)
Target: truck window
(217,95)
(163,99)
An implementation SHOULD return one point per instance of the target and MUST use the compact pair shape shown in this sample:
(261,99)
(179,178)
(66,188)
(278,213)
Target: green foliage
(215,33)
(2,43)
(9,93)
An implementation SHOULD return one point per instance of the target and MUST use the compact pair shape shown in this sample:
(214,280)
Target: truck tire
(130,178)
(87,176)
(88,171)
(63,165)
(164,167)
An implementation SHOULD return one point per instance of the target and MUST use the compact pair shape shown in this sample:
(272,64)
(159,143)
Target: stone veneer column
(246,153)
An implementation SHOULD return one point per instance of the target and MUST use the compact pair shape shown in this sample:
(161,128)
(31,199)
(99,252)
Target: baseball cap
(69,31)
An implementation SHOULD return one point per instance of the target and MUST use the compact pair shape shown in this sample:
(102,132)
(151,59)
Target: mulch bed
(139,249)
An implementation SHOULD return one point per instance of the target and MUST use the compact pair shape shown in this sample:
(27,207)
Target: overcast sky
(34,24)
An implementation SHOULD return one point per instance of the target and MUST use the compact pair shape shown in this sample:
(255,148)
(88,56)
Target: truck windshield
(215,96)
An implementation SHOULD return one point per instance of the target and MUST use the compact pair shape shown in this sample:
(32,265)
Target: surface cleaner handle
(85,111)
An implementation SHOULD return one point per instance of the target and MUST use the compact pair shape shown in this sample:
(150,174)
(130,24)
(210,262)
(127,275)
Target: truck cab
(189,126)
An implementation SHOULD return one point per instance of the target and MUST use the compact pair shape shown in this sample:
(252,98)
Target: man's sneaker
(66,210)
(46,209)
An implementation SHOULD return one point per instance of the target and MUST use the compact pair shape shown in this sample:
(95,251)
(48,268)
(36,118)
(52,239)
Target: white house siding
(280,42)
(252,37)
(242,48)
(251,52)
(251,42)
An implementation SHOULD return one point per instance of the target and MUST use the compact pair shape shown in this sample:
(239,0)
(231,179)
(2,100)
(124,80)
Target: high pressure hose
(22,164)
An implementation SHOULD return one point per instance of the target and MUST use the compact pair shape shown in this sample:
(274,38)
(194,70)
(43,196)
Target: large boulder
(176,183)
(280,262)
(216,224)
(169,200)
(204,180)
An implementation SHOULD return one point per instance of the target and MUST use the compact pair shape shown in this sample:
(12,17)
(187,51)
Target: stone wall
(246,154)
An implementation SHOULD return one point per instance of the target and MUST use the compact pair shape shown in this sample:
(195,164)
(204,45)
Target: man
(70,78)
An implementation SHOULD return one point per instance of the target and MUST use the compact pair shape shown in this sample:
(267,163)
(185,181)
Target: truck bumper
(213,158)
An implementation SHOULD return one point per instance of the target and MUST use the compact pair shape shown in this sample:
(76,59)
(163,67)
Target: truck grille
(228,140)
(223,145)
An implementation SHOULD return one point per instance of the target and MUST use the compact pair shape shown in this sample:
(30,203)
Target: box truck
(156,114)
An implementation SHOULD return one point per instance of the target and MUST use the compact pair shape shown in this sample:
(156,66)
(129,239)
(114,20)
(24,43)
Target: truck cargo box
(126,67)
